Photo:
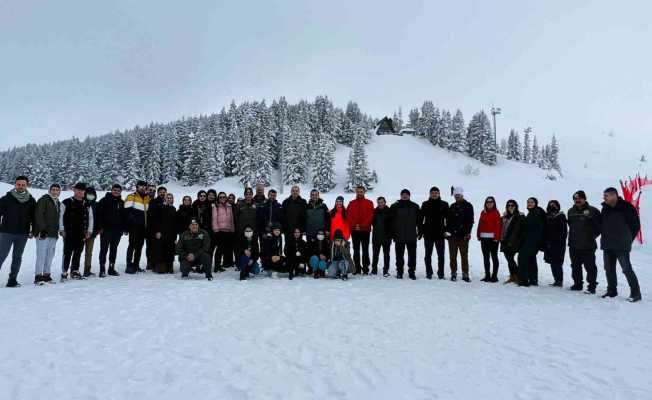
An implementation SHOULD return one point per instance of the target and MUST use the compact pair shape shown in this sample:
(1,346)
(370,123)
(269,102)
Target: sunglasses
(222,197)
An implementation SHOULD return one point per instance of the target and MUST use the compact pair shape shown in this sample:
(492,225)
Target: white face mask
(320,237)
(90,197)
(249,235)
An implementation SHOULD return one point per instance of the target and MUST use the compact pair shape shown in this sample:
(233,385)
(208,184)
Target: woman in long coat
(531,243)
(510,237)
(555,234)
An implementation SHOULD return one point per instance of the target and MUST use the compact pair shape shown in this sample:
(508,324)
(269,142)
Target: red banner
(631,189)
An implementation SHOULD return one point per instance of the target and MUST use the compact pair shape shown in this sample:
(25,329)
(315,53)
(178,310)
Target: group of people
(256,233)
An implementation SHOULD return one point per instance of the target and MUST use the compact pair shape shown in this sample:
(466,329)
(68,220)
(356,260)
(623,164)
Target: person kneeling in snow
(320,253)
(341,263)
(247,252)
(273,259)
(296,253)
(193,249)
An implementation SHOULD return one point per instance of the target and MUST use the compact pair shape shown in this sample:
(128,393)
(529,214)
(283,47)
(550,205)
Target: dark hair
(535,200)
(360,187)
(381,198)
(487,199)
(271,191)
(555,203)
(186,197)
(55,185)
(314,191)
(116,186)
(611,190)
(161,188)
(248,189)
(221,193)
(512,201)
(581,194)
(334,210)
(434,189)
(405,191)
(201,192)
(22,178)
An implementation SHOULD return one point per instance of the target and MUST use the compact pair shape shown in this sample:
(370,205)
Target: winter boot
(76,275)
(88,274)
(130,269)
(466,279)
(102,271)
(453,277)
(412,277)
(12,282)
(634,298)
(609,294)
(64,277)
(485,279)
(47,278)
(576,287)
(112,271)
(345,276)
(374,271)
(38,280)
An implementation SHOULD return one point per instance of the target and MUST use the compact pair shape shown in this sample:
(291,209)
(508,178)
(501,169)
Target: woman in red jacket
(489,233)
(338,219)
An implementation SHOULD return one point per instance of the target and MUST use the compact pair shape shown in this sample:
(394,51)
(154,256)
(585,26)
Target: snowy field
(158,337)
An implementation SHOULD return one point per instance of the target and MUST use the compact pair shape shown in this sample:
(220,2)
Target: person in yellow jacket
(135,210)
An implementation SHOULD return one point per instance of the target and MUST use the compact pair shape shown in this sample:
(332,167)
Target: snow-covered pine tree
(263,147)
(130,162)
(514,146)
(445,126)
(527,150)
(169,152)
(427,121)
(398,121)
(553,155)
(475,137)
(233,139)
(503,147)
(357,170)
(458,140)
(489,148)
(534,154)
(413,118)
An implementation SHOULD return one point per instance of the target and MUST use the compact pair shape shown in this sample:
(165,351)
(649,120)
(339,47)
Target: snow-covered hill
(157,337)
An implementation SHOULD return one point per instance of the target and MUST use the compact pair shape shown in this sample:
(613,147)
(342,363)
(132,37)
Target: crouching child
(296,254)
(320,254)
(247,254)
(341,263)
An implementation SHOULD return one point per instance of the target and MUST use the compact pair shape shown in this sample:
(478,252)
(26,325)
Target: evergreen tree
(534,155)
(357,170)
(413,118)
(527,151)
(458,139)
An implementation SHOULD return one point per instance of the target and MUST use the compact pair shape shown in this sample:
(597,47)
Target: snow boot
(590,290)
(634,298)
(412,277)
(609,294)
(316,274)
(76,275)
(47,278)
(38,280)
(12,282)
(576,287)
(399,276)
(112,271)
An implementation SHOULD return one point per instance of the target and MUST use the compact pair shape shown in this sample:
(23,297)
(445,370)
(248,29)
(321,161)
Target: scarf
(21,197)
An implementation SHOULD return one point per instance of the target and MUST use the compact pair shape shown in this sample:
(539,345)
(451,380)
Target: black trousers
(528,270)
(204,260)
(557,272)
(361,239)
(73,247)
(412,257)
(490,251)
(224,249)
(137,236)
(440,245)
(610,258)
(511,262)
(109,241)
(584,258)
(375,247)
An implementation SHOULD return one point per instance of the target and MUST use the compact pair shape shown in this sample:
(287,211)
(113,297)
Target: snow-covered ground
(159,337)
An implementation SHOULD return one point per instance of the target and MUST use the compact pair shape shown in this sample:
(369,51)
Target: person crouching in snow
(193,249)
(341,257)
(247,253)
(320,253)
(296,254)
(273,259)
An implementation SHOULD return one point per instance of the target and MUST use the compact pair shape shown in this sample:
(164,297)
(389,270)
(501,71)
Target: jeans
(610,258)
(45,249)
(243,265)
(7,240)
(317,264)
(361,239)
(439,245)
(490,251)
(337,267)
(399,247)
(586,258)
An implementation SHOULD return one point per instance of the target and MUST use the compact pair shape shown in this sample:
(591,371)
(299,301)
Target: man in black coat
(153,219)
(294,213)
(75,226)
(16,220)
(584,226)
(459,223)
(405,228)
(317,216)
(620,225)
(381,236)
(432,227)
(110,225)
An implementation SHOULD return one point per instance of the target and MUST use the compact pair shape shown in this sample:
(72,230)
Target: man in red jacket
(360,214)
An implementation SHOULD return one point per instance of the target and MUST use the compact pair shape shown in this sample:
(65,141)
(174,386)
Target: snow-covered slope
(157,337)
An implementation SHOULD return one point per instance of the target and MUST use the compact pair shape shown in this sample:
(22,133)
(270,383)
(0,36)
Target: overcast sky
(89,67)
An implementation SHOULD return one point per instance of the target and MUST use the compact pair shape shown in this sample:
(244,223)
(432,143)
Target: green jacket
(46,216)
(193,243)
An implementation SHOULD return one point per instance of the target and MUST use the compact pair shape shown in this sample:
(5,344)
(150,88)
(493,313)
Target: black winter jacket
(584,227)
(620,225)
(110,214)
(460,219)
(405,221)
(294,214)
(317,217)
(382,225)
(555,234)
(15,217)
(433,218)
